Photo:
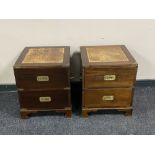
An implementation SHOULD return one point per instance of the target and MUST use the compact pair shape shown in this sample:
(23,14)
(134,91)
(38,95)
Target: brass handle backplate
(45,99)
(109,77)
(107,98)
(42,78)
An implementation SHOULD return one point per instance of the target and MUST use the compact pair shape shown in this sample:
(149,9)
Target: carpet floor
(142,121)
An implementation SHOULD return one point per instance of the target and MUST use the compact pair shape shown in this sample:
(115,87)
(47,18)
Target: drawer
(42,78)
(44,99)
(108,97)
(109,77)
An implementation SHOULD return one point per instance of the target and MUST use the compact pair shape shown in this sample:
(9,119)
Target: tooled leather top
(44,55)
(106,54)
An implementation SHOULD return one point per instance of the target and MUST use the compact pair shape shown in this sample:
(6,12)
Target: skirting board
(139,83)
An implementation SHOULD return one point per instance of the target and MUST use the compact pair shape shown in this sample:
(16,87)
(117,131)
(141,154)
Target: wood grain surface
(94,98)
(109,74)
(43,80)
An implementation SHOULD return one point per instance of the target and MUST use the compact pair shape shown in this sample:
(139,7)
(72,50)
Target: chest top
(106,55)
(44,56)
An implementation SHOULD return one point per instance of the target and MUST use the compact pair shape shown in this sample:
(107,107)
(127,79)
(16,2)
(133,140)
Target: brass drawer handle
(108,98)
(42,78)
(109,77)
(45,99)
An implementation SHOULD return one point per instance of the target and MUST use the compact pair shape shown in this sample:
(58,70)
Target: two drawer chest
(43,80)
(109,74)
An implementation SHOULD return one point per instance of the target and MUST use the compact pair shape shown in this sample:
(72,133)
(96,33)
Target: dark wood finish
(25,113)
(95,85)
(68,113)
(30,99)
(27,78)
(54,91)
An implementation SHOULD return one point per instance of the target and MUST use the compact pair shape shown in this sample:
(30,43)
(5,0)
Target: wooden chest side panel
(44,99)
(95,77)
(55,78)
(107,98)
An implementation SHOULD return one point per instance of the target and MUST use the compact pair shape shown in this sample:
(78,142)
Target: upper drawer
(39,78)
(109,77)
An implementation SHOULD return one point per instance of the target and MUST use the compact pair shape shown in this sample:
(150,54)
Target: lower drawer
(44,99)
(108,97)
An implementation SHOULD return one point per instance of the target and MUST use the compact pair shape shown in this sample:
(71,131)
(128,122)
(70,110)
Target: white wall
(137,35)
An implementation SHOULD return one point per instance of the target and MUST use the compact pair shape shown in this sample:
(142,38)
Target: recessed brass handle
(107,98)
(45,99)
(109,77)
(42,78)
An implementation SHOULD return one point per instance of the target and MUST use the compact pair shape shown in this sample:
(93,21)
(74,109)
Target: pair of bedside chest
(43,79)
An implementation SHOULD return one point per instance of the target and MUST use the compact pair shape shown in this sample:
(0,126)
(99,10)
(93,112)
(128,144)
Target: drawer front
(109,77)
(42,78)
(44,99)
(108,97)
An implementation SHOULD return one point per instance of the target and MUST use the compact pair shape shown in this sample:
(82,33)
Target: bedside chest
(43,80)
(109,74)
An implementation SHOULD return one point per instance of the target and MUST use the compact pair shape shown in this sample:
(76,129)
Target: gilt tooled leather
(44,55)
(106,54)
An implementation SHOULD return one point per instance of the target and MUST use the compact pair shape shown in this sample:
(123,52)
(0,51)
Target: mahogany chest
(42,77)
(109,74)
